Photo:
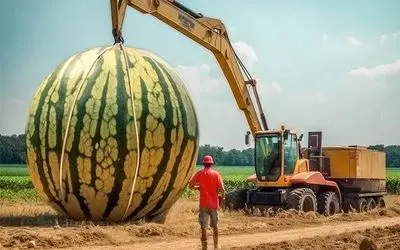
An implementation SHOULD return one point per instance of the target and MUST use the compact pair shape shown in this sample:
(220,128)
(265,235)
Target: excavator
(318,179)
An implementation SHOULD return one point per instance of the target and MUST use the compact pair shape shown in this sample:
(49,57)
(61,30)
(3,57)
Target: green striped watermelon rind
(90,112)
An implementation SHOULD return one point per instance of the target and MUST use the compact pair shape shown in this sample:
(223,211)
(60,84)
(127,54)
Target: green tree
(392,154)
(12,149)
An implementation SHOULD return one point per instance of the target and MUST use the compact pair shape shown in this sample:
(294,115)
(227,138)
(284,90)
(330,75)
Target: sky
(331,66)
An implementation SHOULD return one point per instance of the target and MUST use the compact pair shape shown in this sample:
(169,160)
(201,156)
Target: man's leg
(204,222)
(214,224)
(215,237)
(203,239)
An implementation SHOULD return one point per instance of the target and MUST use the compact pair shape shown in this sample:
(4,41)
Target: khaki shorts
(205,215)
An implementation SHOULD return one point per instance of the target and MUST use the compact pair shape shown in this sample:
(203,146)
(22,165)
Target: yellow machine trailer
(360,174)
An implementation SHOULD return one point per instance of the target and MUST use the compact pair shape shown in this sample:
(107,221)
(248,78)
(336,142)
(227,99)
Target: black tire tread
(324,198)
(379,200)
(235,199)
(371,201)
(294,198)
(358,204)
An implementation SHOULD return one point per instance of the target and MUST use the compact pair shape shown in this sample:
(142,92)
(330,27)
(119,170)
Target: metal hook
(117,36)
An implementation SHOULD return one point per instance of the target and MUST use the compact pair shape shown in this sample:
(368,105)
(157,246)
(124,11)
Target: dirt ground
(37,225)
(352,234)
(374,238)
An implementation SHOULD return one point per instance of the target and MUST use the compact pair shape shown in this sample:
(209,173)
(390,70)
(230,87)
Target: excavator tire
(302,199)
(328,203)
(361,205)
(235,200)
(371,204)
(380,202)
(348,205)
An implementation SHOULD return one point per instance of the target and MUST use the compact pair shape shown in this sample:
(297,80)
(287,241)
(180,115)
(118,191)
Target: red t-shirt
(209,182)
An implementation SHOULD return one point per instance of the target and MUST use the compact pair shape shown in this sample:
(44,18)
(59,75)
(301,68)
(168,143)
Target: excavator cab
(268,157)
(277,154)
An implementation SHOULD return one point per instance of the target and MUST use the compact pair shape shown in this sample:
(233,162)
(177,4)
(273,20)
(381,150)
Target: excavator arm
(208,32)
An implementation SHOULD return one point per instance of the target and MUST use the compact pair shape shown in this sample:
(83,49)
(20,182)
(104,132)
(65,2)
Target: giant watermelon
(112,135)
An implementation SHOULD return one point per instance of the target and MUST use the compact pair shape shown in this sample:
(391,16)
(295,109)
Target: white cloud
(320,97)
(246,53)
(232,29)
(276,86)
(267,89)
(215,107)
(379,71)
(198,79)
(385,37)
(324,37)
(354,41)
(312,97)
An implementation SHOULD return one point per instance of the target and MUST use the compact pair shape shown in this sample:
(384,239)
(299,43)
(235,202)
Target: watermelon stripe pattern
(84,125)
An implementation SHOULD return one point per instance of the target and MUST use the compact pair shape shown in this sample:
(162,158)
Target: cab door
(290,154)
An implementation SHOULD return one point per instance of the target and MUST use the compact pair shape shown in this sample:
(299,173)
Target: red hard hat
(207,159)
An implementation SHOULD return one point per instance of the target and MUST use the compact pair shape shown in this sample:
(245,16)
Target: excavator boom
(282,177)
(211,34)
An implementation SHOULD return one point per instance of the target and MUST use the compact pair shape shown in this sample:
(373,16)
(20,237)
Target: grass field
(226,171)
(392,172)
(13,170)
(15,182)
(233,171)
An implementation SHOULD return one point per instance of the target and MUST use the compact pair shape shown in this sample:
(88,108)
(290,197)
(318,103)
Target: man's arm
(221,187)
(194,182)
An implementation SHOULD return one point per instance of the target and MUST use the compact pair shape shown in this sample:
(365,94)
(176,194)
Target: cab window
(290,154)
(268,157)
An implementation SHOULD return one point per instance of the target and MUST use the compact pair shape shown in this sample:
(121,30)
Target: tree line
(12,151)
(392,154)
(223,157)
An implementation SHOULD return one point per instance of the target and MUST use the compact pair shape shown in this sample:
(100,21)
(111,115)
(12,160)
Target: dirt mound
(370,239)
(26,238)
(148,230)
(18,238)
(367,244)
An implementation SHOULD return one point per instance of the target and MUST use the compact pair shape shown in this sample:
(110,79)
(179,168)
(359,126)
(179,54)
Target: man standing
(210,183)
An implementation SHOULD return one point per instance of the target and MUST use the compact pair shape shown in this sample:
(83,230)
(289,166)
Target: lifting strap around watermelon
(136,132)
(81,83)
